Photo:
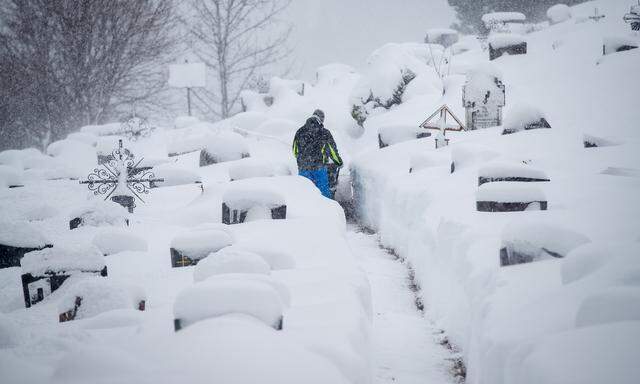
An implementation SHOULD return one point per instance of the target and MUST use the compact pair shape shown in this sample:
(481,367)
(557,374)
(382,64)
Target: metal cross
(119,172)
(596,16)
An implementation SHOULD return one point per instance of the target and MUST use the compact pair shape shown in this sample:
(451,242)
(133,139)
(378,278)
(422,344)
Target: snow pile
(103,130)
(98,295)
(524,117)
(77,157)
(214,298)
(281,288)
(198,244)
(10,333)
(185,121)
(115,241)
(230,260)
(68,259)
(559,13)
(10,177)
(468,154)
(100,213)
(23,159)
(21,234)
(334,73)
(84,137)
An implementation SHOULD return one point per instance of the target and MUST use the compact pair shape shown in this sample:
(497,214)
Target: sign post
(187,75)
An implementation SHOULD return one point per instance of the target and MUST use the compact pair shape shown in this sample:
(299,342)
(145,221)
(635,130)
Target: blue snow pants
(320,178)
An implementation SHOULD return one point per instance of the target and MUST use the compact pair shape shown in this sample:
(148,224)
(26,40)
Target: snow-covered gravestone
(510,197)
(98,213)
(246,202)
(218,297)
(44,271)
(507,171)
(524,117)
(190,248)
(506,43)
(633,17)
(525,242)
(230,260)
(121,179)
(393,134)
(17,239)
(483,97)
(226,146)
(91,296)
(503,22)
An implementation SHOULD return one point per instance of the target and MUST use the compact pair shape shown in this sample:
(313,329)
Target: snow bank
(115,241)
(230,260)
(197,245)
(214,298)
(590,258)
(616,304)
(68,259)
(559,13)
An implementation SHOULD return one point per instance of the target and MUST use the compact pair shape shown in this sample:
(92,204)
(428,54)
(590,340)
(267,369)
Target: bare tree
(72,63)
(237,39)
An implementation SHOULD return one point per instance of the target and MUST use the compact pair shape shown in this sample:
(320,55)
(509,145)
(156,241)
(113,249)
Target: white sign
(188,75)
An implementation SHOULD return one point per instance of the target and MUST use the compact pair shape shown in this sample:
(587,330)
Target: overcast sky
(347,31)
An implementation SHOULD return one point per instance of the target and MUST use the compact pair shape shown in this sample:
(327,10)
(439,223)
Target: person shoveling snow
(315,150)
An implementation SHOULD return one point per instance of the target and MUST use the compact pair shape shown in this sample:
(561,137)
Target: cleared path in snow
(405,346)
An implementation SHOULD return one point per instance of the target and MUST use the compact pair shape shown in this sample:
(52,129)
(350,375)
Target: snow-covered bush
(98,213)
(92,296)
(390,69)
(213,298)
(230,260)
(442,36)
(527,241)
(115,241)
(225,146)
(559,13)
(524,117)
(191,247)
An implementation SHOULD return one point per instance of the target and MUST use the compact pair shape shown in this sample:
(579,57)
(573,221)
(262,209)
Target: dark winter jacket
(313,145)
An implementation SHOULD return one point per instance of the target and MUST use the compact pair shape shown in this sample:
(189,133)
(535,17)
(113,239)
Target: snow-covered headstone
(10,177)
(17,239)
(230,260)
(214,297)
(393,134)
(226,146)
(190,248)
(504,22)
(510,197)
(245,202)
(509,171)
(483,97)
(94,295)
(506,43)
(98,213)
(614,44)
(114,241)
(44,271)
(523,118)
(524,242)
